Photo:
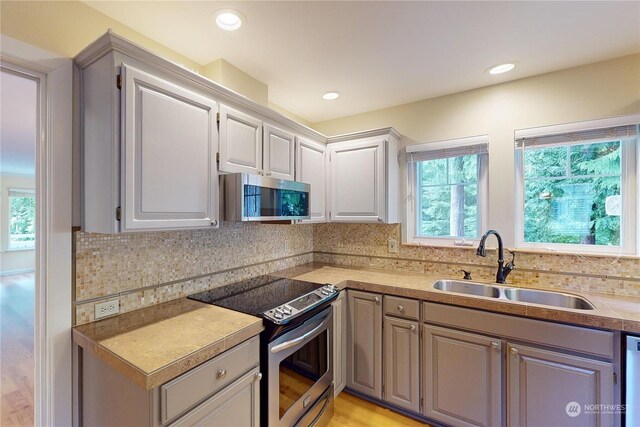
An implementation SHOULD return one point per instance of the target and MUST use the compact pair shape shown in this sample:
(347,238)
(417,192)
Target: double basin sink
(534,296)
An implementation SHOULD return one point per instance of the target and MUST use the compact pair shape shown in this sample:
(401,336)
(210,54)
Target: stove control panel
(292,309)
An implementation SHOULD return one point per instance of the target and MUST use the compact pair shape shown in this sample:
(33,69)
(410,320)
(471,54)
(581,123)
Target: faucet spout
(503,272)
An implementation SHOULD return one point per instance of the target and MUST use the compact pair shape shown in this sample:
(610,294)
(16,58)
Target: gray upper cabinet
(170,140)
(240,142)
(250,146)
(278,153)
(364,350)
(462,377)
(311,168)
(543,385)
(363,177)
(402,363)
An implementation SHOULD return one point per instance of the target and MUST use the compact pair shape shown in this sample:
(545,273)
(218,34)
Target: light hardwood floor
(355,412)
(16,349)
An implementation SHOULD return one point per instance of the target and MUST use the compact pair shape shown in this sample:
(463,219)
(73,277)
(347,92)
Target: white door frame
(53,373)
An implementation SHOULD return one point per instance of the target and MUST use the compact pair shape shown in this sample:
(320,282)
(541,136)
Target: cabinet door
(279,153)
(546,388)
(462,378)
(364,352)
(168,156)
(240,142)
(311,169)
(340,343)
(402,363)
(357,176)
(237,405)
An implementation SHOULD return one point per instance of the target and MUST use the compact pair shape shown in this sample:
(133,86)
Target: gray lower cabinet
(402,363)
(223,391)
(236,405)
(364,349)
(546,388)
(340,343)
(462,377)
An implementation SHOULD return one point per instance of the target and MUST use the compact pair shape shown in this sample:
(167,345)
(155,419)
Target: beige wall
(67,27)
(604,89)
(11,261)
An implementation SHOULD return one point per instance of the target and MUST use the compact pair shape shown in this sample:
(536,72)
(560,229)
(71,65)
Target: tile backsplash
(365,245)
(143,269)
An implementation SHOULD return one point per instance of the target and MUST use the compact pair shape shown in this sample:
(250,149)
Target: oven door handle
(288,344)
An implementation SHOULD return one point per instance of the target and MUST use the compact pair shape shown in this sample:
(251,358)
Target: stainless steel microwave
(247,197)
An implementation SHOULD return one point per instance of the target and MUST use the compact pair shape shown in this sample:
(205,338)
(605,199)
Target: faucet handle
(467,274)
(512,264)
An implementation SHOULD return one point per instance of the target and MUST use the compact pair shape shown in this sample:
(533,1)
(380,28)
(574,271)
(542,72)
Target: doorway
(19,130)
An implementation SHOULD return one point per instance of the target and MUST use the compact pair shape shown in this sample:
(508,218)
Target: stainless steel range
(296,346)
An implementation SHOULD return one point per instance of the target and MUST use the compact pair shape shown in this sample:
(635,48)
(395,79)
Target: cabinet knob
(214,223)
(377,300)
(400,307)
(413,327)
(222,373)
(259,376)
(380,219)
(513,350)
(268,174)
(495,344)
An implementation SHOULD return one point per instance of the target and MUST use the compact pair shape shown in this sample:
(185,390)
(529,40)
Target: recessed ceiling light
(330,96)
(228,19)
(502,68)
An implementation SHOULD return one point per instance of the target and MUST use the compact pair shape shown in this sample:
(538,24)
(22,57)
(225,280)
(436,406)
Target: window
(576,190)
(22,213)
(447,188)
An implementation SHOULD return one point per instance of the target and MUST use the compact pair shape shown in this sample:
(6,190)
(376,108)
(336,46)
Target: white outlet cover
(392,246)
(108,308)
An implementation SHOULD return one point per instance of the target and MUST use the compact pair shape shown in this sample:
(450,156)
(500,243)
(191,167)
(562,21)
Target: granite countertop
(153,345)
(611,312)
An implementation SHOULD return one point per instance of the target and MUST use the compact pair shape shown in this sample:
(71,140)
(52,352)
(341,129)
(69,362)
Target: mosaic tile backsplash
(365,245)
(143,269)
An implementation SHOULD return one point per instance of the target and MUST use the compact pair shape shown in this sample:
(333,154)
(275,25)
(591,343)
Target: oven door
(300,369)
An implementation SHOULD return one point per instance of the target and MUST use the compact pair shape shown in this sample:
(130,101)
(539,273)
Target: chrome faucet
(503,270)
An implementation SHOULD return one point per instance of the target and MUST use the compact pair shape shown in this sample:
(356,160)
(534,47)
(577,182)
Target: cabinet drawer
(184,392)
(573,338)
(402,307)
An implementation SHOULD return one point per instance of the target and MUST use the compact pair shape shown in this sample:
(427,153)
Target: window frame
(629,180)
(8,212)
(456,148)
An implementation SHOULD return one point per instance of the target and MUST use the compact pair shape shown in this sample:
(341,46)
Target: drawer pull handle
(377,300)
(400,307)
(494,344)
(514,350)
(222,373)
(259,376)
(413,327)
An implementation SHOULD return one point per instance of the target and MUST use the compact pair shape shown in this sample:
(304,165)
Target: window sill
(20,250)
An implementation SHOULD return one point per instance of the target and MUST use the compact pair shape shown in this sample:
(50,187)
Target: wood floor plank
(351,411)
(17,366)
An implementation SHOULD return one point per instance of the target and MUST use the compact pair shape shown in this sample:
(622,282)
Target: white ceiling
(18,126)
(384,53)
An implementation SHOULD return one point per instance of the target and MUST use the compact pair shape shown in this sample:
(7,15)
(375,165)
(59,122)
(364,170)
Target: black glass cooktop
(258,295)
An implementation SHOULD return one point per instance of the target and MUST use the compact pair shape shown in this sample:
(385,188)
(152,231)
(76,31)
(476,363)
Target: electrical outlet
(107,308)
(392,246)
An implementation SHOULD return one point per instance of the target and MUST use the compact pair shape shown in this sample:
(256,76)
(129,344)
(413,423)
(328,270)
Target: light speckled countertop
(153,345)
(611,312)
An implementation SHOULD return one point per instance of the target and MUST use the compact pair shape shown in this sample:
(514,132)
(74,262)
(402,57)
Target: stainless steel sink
(468,288)
(556,299)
